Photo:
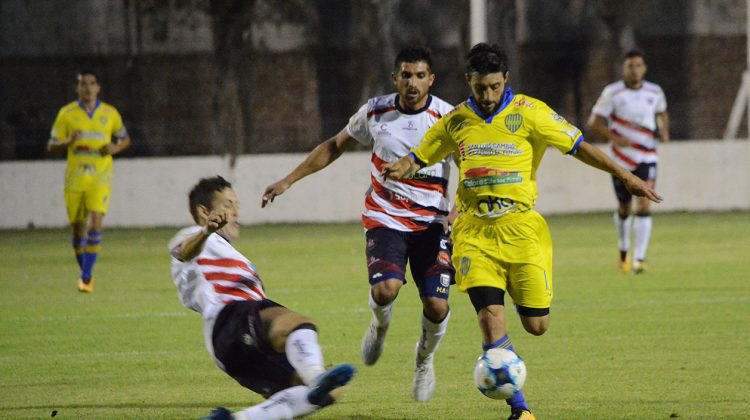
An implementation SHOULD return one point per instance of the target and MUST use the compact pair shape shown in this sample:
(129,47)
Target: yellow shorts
(80,203)
(513,253)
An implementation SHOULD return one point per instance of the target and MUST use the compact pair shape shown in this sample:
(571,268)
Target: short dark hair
(413,54)
(484,59)
(84,72)
(203,193)
(633,54)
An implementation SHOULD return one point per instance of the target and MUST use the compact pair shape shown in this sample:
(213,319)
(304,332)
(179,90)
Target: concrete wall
(696,175)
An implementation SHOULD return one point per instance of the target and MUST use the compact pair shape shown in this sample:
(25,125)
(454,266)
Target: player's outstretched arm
(592,156)
(320,157)
(400,169)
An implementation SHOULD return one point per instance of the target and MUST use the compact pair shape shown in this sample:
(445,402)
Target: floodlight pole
(742,101)
(478,21)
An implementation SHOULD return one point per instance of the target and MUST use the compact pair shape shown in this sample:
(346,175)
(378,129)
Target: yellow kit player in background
(500,243)
(84,129)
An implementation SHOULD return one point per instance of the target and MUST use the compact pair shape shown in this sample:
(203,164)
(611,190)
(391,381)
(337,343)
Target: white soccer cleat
(424,377)
(372,342)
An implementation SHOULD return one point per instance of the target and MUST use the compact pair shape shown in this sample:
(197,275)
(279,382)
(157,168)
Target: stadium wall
(693,176)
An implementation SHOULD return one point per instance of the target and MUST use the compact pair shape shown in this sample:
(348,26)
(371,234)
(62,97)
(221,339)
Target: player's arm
(662,121)
(115,148)
(192,246)
(320,157)
(57,146)
(598,125)
(592,156)
(435,145)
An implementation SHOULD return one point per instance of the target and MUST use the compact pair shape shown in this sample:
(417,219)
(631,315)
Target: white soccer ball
(499,373)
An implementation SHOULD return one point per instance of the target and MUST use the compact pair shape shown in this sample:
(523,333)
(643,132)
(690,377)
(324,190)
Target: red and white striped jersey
(631,113)
(217,276)
(408,205)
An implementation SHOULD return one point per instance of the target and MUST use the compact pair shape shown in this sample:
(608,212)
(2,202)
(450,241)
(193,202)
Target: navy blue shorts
(241,344)
(644,171)
(428,253)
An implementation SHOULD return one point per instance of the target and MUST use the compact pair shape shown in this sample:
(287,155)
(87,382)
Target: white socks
(641,235)
(286,404)
(623,231)
(432,334)
(303,353)
(383,314)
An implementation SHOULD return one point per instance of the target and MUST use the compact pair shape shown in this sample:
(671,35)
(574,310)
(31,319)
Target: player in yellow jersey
(501,244)
(84,129)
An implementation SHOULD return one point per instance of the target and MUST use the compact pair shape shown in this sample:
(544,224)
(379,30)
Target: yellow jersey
(497,155)
(87,168)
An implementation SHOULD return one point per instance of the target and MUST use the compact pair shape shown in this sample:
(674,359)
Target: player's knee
(386,291)
(535,325)
(435,309)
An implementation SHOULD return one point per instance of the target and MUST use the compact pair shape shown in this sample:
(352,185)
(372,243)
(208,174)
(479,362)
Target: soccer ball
(499,373)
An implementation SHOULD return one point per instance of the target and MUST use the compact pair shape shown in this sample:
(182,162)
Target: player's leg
(643,223)
(97,203)
(386,264)
(268,348)
(76,210)
(623,222)
(430,262)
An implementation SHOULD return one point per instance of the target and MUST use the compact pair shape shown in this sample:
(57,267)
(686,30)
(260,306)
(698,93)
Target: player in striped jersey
(632,115)
(501,244)
(404,221)
(262,345)
(84,130)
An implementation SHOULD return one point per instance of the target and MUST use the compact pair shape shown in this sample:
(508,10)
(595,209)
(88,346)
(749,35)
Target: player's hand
(217,219)
(107,149)
(402,168)
(73,138)
(277,188)
(641,188)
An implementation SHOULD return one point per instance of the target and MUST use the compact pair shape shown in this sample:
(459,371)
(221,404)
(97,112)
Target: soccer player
(501,244)
(632,115)
(404,221)
(84,130)
(264,346)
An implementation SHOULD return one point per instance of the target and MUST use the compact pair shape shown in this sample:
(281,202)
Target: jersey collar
(91,115)
(507,98)
(403,111)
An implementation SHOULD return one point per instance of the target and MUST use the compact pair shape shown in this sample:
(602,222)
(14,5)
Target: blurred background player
(403,220)
(632,114)
(84,129)
(500,242)
(262,345)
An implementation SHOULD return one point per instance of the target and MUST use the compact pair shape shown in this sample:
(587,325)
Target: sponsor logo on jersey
(513,122)
(410,126)
(488,149)
(524,102)
(382,130)
(483,176)
(103,120)
(443,258)
(557,117)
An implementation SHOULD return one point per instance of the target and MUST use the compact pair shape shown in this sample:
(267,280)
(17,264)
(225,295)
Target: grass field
(674,342)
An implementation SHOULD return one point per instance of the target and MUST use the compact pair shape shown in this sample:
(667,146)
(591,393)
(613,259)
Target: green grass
(672,342)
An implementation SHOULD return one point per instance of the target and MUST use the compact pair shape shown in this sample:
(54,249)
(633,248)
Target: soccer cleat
(372,342)
(424,377)
(521,414)
(639,267)
(220,413)
(86,287)
(327,381)
(625,265)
